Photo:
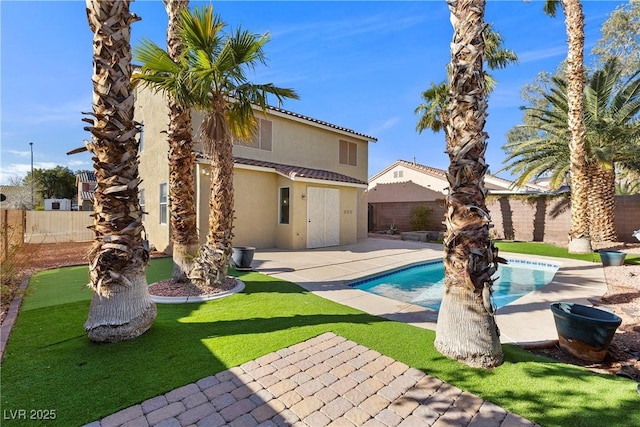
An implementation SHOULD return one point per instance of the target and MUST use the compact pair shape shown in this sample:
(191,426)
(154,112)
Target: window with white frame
(397,174)
(163,204)
(141,199)
(348,154)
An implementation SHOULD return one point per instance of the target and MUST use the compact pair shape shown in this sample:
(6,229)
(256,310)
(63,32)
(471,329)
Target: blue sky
(358,64)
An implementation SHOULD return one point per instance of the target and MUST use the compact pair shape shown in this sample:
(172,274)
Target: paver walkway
(325,381)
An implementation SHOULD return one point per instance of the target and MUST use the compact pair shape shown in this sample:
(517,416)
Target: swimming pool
(423,284)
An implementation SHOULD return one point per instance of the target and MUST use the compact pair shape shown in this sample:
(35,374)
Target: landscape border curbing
(199,298)
(12,315)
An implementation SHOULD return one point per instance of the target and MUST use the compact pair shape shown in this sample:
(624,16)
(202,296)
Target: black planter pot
(584,332)
(242,257)
(613,258)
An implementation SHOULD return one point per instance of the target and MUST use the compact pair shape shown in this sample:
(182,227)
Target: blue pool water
(423,284)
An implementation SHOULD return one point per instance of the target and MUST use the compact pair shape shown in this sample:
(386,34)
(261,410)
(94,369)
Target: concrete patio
(326,272)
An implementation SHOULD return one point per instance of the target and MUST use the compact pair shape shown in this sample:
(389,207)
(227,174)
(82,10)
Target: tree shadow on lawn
(51,364)
(548,392)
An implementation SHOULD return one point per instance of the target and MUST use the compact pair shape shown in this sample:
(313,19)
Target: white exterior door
(323,217)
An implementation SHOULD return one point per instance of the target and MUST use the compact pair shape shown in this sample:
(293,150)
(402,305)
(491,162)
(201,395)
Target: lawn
(51,365)
(544,249)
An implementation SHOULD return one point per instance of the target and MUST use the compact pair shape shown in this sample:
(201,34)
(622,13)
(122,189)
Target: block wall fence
(530,219)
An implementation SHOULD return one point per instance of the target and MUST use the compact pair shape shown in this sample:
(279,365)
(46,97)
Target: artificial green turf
(50,364)
(545,249)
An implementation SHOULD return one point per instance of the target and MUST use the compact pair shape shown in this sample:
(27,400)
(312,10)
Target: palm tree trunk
(213,264)
(121,307)
(184,232)
(466,328)
(579,241)
(602,204)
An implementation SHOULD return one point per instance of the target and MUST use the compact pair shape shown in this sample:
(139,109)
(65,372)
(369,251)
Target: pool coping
(527,321)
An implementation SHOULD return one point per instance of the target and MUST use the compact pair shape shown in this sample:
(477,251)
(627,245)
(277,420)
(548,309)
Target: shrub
(13,263)
(420,218)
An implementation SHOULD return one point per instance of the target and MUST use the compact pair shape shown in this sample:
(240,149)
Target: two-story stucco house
(86,183)
(299,184)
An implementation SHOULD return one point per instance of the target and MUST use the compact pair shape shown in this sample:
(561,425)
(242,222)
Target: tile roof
(320,122)
(87,176)
(299,171)
(87,195)
(294,172)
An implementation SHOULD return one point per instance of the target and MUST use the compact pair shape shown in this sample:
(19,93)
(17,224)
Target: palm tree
(182,161)
(466,328)
(121,307)
(611,106)
(210,76)
(579,239)
(433,110)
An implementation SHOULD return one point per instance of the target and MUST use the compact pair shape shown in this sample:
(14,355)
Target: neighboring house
(435,180)
(86,182)
(403,185)
(301,183)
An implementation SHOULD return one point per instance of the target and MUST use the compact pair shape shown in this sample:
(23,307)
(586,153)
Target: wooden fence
(12,224)
(18,227)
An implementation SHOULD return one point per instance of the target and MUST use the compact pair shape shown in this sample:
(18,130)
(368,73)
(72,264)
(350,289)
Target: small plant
(420,218)
(12,266)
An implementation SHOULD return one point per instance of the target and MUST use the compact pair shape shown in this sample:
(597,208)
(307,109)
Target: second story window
(348,153)
(263,139)
(397,174)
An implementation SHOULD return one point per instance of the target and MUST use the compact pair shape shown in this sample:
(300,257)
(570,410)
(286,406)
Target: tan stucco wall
(301,144)
(296,142)
(256,208)
(151,110)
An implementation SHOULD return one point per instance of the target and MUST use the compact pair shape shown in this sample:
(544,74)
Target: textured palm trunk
(466,328)
(579,239)
(121,307)
(184,231)
(602,204)
(213,263)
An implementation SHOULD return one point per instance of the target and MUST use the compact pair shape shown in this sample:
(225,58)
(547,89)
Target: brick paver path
(325,381)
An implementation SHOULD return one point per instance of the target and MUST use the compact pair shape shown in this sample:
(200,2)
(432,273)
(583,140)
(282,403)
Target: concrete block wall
(542,219)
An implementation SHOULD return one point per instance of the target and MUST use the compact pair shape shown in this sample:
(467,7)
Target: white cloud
(20,170)
(66,112)
(19,153)
(537,55)
(74,163)
(386,125)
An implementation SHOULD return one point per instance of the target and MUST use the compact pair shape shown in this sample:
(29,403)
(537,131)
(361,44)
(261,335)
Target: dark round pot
(613,258)
(242,257)
(584,332)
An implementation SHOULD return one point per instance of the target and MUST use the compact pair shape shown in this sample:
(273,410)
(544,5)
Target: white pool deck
(527,321)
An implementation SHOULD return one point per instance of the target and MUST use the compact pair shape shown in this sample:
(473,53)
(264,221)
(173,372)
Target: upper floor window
(163,204)
(397,174)
(263,139)
(348,153)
